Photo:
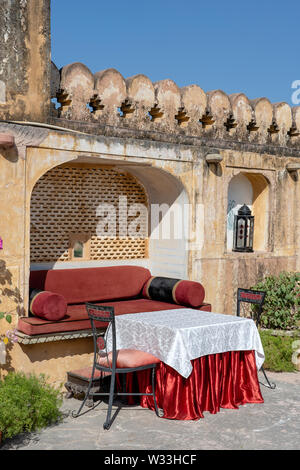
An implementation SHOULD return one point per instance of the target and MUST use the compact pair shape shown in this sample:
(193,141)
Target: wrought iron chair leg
(75,415)
(109,421)
(154,394)
(271,385)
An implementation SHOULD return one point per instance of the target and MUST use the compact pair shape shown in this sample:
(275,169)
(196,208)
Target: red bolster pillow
(178,291)
(47,305)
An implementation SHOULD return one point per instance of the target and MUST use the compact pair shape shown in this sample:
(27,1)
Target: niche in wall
(251,189)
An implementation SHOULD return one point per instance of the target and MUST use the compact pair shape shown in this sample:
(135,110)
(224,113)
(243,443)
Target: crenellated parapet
(109,99)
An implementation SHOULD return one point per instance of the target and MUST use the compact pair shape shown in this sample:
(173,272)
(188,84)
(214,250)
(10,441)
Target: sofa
(129,289)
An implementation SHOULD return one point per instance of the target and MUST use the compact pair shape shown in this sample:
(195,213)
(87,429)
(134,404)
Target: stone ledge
(51,337)
(202,140)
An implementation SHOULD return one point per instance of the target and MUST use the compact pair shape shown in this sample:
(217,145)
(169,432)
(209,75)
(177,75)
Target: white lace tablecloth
(178,336)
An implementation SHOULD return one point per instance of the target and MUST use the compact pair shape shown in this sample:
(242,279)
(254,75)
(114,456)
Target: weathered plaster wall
(224,270)
(164,134)
(25,60)
(12,209)
(204,184)
(53,359)
(166,166)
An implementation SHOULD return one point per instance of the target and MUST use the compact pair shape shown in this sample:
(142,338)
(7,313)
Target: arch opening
(77,213)
(72,201)
(251,189)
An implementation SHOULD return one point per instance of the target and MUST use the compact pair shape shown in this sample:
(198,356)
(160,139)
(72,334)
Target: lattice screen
(65,201)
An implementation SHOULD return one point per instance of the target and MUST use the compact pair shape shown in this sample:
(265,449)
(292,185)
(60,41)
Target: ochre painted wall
(160,132)
(221,272)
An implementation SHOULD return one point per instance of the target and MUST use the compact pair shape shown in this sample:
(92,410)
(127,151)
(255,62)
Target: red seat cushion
(76,318)
(129,358)
(86,373)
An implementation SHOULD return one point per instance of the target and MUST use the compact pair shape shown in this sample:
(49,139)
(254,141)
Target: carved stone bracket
(230,122)
(273,129)
(24,136)
(95,104)
(252,126)
(207,119)
(64,98)
(127,108)
(182,117)
(156,112)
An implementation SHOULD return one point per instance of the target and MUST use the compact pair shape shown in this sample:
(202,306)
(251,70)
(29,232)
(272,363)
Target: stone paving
(271,426)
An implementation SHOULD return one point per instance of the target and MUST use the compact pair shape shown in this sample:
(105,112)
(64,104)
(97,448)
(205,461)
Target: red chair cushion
(48,306)
(187,293)
(128,358)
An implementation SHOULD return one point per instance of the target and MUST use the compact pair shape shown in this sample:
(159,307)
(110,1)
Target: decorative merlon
(108,98)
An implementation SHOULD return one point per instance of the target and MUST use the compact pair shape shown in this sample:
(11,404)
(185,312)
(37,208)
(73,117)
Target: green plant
(10,294)
(7,317)
(281,309)
(278,352)
(27,403)
(10,335)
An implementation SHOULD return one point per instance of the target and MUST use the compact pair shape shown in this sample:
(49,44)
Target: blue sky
(234,45)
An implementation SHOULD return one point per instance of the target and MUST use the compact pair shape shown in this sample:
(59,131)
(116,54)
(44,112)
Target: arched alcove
(63,217)
(251,189)
(77,204)
(169,221)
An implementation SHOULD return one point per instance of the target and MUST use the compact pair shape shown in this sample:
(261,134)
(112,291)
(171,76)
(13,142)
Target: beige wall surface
(172,174)
(182,145)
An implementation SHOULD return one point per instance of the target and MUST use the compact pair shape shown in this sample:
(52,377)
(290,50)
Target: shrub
(281,309)
(278,352)
(27,403)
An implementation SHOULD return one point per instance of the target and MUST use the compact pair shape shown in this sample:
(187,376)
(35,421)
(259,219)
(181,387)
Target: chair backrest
(98,313)
(251,297)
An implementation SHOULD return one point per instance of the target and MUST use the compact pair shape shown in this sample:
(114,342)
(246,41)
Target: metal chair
(98,313)
(254,297)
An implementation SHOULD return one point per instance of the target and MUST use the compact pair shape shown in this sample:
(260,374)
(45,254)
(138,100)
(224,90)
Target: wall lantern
(243,230)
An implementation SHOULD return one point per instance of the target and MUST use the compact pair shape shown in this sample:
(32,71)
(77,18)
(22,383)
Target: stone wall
(181,144)
(25,65)
(162,109)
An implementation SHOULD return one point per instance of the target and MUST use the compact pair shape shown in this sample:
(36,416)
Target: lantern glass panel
(251,230)
(243,230)
(240,236)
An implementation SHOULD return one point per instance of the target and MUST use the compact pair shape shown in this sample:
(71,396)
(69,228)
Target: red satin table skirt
(225,380)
